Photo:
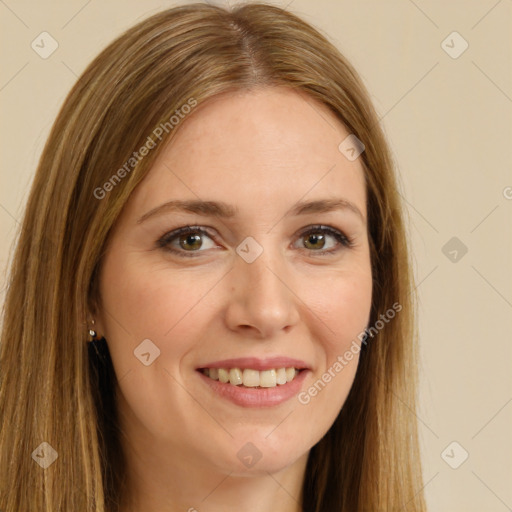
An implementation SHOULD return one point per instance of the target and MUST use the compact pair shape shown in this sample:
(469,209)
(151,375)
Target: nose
(262,302)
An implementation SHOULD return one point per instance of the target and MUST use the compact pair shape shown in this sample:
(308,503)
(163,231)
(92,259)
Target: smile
(254,381)
(251,378)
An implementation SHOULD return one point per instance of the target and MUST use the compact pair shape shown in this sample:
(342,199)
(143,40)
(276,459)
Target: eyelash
(166,239)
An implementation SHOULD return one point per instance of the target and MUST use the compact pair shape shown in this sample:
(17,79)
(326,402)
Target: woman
(210,302)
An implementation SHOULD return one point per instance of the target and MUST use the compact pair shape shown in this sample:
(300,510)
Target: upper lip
(256,363)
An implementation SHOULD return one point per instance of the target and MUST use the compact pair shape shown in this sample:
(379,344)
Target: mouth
(253,382)
(252,378)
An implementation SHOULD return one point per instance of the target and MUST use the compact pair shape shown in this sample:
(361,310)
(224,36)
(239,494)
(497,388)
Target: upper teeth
(252,378)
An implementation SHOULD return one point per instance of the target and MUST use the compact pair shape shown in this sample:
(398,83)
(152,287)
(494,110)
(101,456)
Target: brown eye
(314,241)
(193,242)
(187,241)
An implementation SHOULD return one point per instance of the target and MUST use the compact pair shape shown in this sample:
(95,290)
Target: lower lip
(256,397)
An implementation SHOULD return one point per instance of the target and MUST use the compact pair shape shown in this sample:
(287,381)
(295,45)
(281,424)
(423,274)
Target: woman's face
(268,280)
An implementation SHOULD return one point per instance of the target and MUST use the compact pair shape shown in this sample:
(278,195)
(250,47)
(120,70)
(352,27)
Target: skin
(260,151)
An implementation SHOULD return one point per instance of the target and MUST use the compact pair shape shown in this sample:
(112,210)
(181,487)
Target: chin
(261,453)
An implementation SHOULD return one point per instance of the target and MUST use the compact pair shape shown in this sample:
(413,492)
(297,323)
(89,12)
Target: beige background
(449,125)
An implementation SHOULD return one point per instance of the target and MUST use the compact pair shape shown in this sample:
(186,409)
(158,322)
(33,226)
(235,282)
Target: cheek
(341,304)
(148,301)
(340,314)
(145,301)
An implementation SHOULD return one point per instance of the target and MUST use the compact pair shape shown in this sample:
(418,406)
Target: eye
(185,240)
(314,239)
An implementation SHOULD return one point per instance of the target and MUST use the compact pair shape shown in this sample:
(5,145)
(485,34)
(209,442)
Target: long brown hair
(55,389)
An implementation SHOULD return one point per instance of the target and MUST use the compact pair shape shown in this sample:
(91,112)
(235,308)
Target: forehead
(264,147)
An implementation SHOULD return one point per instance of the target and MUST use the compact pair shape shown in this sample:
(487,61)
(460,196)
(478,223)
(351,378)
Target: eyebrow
(224,210)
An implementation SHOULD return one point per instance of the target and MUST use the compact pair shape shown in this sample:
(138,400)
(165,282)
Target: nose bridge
(261,297)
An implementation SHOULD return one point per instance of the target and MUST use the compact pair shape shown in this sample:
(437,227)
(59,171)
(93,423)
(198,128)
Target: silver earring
(92,333)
